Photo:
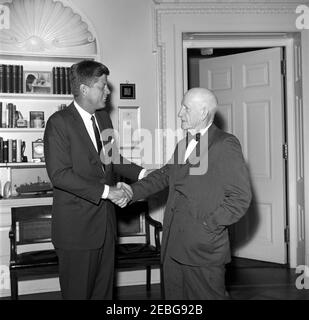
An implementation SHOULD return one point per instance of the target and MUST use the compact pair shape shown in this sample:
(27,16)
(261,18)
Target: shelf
(23,165)
(53,57)
(27,200)
(30,96)
(21,130)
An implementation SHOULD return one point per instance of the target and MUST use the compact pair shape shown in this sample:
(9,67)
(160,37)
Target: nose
(180,112)
(107,91)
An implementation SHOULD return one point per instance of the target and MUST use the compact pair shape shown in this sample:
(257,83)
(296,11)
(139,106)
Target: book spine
(1,150)
(5,77)
(21,79)
(14,151)
(9,78)
(57,80)
(15,79)
(5,151)
(10,149)
(1,114)
(10,115)
(7,113)
(18,150)
(2,80)
(54,80)
(62,80)
(14,116)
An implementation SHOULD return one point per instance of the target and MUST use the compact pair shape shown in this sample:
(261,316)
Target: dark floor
(245,279)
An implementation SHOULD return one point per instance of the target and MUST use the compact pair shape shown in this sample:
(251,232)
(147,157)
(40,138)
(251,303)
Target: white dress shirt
(86,116)
(193,142)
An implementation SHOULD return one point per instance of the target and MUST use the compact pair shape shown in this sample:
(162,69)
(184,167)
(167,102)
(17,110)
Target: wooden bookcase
(62,38)
(25,103)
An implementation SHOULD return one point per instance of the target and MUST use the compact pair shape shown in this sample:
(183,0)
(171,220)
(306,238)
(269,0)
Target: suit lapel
(85,138)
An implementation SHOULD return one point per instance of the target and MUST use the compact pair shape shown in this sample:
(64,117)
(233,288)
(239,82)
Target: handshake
(120,195)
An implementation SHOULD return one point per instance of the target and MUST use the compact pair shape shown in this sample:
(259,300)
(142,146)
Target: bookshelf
(48,63)
(64,37)
(16,171)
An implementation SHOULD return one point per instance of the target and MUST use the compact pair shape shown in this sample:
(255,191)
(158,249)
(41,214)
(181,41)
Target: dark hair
(86,72)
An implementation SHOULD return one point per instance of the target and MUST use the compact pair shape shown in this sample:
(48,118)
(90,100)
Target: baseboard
(124,278)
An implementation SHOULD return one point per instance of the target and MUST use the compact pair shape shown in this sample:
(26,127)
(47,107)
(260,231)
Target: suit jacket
(204,198)
(79,215)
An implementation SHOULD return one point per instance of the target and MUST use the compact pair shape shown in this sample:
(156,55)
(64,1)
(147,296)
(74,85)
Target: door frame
(265,41)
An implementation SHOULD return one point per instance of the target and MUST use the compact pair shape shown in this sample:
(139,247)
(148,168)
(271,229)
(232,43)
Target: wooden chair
(135,221)
(30,226)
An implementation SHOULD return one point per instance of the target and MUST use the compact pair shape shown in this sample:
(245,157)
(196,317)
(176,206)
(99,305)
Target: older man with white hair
(201,203)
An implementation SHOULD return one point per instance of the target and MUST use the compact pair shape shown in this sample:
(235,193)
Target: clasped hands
(121,195)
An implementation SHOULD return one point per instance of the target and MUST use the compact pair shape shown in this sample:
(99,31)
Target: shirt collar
(202,131)
(84,114)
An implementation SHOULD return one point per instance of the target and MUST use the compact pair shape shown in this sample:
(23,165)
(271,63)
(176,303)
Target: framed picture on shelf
(38,151)
(37,119)
(127,91)
(38,82)
(129,123)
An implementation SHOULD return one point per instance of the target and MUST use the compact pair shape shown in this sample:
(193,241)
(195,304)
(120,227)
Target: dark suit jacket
(79,215)
(201,203)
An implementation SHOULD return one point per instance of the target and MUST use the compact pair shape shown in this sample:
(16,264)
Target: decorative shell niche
(46,27)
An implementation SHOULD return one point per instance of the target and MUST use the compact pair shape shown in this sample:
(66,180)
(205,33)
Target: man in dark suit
(83,217)
(209,190)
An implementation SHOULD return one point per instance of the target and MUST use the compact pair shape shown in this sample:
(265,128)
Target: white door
(250,95)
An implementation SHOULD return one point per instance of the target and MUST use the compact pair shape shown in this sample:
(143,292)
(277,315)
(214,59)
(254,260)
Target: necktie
(97,135)
(197,137)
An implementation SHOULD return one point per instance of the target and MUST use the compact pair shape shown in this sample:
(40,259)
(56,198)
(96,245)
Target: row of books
(11,150)
(11,78)
(8,115)
(61,80)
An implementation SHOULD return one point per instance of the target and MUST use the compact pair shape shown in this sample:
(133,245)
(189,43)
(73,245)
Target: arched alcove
(47,27)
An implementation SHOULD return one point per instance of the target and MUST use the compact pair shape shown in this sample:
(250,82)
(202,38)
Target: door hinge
(287,235)
(285,151)
(283,67)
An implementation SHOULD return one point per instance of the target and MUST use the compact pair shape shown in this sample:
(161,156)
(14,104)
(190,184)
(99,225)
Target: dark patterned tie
(97,135)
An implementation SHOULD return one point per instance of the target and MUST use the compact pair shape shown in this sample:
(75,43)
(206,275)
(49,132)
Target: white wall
(124,30)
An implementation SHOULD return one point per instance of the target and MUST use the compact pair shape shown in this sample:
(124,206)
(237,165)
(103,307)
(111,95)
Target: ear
(205,113)
(83,90)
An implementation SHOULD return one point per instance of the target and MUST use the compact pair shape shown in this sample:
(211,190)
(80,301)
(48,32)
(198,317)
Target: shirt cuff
(142,174)
(105,192)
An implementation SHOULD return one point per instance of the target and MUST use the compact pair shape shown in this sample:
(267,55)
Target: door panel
(249,91)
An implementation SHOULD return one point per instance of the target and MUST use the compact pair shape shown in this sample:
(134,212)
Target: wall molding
(166,9)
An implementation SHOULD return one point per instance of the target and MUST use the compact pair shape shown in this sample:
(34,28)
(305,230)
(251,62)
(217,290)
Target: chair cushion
(35,259)
(134,251)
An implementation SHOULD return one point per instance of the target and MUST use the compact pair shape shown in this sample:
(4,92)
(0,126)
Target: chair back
(132,220)
(31,225)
